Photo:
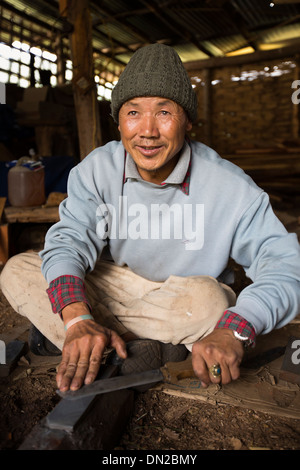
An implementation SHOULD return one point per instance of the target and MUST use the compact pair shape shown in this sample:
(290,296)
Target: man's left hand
(218,348)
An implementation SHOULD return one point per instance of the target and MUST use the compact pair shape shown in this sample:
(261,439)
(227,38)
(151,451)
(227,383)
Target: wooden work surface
(38,214)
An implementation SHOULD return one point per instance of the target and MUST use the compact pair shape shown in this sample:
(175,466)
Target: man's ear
(189,126)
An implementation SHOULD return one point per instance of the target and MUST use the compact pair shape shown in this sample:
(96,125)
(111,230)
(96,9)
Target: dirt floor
(160,421)
(170,423)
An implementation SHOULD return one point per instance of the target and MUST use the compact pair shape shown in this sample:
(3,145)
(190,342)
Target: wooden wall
(247,115)
(247,106)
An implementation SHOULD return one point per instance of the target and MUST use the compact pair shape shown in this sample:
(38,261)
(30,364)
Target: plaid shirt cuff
(233,321)
(65,290)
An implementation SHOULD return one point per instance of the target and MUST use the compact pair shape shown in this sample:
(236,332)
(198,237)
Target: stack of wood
(276,169)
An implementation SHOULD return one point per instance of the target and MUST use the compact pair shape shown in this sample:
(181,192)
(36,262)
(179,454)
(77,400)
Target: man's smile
(149,150)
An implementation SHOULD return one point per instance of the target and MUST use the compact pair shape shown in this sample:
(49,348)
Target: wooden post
(85,97)
(207,104)
(296,107)
(4,243)
(61,63)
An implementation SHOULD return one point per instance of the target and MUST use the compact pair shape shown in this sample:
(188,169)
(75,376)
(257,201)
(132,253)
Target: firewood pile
(276,169)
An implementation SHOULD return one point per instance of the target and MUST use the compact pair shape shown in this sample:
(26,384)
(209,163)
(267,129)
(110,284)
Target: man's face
(153,131)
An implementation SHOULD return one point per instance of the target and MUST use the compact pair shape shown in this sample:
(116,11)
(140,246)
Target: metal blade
(115,383)
(263,358)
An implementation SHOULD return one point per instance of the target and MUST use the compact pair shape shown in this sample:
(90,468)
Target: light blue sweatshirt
(159,230)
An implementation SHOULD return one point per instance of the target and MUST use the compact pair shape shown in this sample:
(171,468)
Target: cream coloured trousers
(180,310)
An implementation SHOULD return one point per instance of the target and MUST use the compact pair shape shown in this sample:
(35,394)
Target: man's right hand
(83,349)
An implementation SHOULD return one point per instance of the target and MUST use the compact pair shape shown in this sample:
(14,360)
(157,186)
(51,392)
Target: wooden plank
(37,214)
(270,150)
(243,59)
(257,389)
(4,243)
(2,205)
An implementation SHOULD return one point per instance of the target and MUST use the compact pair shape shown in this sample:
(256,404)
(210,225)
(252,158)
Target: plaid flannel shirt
(66,290)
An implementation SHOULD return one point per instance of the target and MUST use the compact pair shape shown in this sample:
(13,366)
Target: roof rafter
(107,13)
(174,26)
(233,12)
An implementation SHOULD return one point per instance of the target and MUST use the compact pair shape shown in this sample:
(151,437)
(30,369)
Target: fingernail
(74,387)
(124,353)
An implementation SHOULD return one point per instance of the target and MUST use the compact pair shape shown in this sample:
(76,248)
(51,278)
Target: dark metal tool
(171,372)
(264,358)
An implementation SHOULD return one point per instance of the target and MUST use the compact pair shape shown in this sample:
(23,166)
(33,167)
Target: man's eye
(132,113)
(164,112)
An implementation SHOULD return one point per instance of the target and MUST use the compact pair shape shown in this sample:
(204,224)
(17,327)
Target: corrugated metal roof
(39,10)
(282,33)
(198,29)
(260,13)
(202,23)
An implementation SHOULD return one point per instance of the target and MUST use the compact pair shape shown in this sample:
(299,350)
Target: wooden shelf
(37,214)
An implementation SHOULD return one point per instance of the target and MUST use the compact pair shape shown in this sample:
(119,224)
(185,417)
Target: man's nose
(148,127)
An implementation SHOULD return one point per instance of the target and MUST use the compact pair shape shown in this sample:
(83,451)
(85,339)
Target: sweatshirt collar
(180,175)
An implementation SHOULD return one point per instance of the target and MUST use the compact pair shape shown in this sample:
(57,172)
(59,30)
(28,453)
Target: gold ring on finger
(215,370)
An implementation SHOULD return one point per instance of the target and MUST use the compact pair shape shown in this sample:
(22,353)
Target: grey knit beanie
(155,70)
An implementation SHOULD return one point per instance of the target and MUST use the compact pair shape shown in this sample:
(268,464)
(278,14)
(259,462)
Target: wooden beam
(235,16)
(84,87)
(25,16)
(61,61)
(286,2)
(109,15)
(243,59)
(9,27)
(207,105)
(296,110)
(174,26)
